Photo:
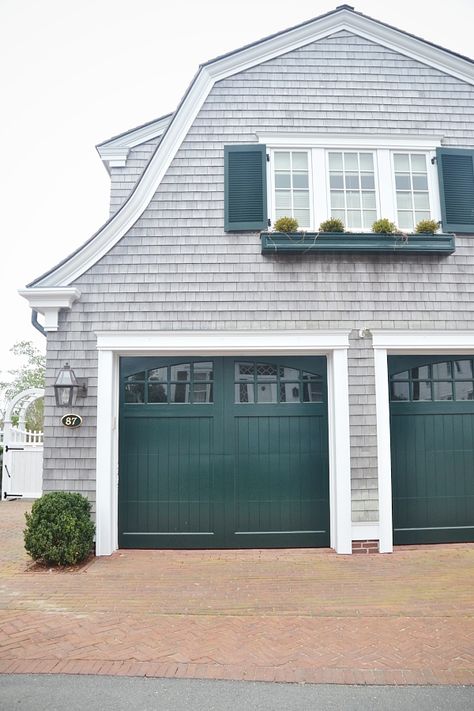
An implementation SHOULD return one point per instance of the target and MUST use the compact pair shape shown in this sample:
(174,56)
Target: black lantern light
(68,388)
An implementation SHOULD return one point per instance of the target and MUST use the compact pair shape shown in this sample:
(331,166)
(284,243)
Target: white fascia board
(222,68)
(222,342)
(50,301)
(115,152)
(353,140)
(429,341)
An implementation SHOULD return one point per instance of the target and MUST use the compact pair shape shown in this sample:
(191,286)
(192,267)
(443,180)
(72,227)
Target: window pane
(402,181)
(312,391)
(404,201)
(335,161)
(354,218)
(300,180)
(405,220)
(267,392)
(367,181)
(202,393)
(282,180)
(157,392)
(244,392)
(464,391)
(282,160)
(353,200)
(179,393)
(399,391)
(283,199)
(420,182)
(336,181)
(422,216)
(443,391)
(244,371)
(180,372)
(135,376)
(352,181)
(289,373)
(158,374)
(421,390)
(303,217)
(337,198)
(369,217)
(266,370)
(290,392)
(421,373)
(203,371)
(400,376)
(310,376)
(441,370)
(368,200)
(462,369)
(300,161)
(351,161)
(301,199)
(366,161)
(135,393)
(340,214)
(401,162)
(418,163)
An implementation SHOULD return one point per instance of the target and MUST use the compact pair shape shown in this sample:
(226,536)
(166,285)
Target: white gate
(22,470)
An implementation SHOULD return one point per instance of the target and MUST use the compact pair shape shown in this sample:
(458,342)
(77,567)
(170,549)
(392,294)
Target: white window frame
(382,147)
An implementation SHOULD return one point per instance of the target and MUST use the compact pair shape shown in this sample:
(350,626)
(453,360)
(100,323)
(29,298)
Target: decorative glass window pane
(202,393)
(291,175)
(244,371)
(179,393)
(463,369)
(267,371)
(288,373)
(421,390)
(442,370)
(399,391)
(464,391)
(203,371)
(157,392)
(180,372)
(290,392)
(244,392)
(421,372)
(135,393)
(159,374)
(135,376)
(411,183)
(352,188)
(443,391)
(313,391)
(267,392)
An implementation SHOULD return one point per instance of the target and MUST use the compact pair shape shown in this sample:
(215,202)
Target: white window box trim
(387,343)
(112,345)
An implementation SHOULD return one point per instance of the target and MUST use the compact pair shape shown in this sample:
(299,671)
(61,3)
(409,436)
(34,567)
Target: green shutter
(456,183)
(245,186)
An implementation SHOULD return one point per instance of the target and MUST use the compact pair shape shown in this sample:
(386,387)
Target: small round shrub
(59,530)
(286,224)
(334,224)
(384,226)
(426,226)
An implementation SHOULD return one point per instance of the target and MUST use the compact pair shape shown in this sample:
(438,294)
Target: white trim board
(387,343)
(111,346)
(221,68)
(114,152)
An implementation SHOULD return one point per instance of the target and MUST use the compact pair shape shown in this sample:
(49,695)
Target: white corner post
(383,451)
(107,455)
(339,452)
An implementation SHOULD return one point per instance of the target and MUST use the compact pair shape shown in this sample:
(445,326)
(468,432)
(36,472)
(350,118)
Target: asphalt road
(79,693)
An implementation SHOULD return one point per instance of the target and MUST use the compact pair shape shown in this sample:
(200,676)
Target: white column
(339,454)
(383,450)
(106,473)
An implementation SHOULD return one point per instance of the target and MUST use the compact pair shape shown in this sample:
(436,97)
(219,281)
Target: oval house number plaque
(71,421)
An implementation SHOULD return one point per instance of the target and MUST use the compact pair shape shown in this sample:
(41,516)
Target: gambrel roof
(174,127)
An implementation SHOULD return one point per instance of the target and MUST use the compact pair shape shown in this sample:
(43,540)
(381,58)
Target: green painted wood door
(432,448)
(223,453)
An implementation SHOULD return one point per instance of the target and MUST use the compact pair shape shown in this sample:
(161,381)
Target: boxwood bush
(59,530)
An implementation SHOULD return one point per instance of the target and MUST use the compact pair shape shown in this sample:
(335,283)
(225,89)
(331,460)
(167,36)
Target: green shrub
(424,226)
(286,224)
(59,530)
(334,224)
(384,226)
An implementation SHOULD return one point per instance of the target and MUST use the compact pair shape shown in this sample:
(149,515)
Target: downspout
(36,323)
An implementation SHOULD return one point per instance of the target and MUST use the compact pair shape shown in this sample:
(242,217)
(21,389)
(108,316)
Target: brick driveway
(291,615)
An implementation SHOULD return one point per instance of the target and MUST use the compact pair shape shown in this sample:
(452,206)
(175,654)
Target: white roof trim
(223,67)
(114,152)
(49,302)
(353,140)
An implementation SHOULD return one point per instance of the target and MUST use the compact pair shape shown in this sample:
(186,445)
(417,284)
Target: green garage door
(223,452)
(432,442)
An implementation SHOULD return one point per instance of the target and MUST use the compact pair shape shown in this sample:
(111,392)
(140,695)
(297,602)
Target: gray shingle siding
(177,269)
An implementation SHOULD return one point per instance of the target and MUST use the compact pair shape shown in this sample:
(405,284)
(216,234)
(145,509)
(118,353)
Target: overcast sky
(76,72)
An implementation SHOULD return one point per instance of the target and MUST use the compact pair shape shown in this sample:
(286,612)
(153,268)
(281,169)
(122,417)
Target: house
(248,388)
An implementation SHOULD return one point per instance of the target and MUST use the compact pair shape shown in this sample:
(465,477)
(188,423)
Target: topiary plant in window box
(334,224)
(286,224)
(427,227)
(384,226)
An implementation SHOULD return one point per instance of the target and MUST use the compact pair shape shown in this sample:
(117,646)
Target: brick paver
(292,615)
